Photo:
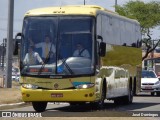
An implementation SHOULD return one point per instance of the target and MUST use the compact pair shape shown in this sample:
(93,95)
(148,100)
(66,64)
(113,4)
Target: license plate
(148,87)
(56,95)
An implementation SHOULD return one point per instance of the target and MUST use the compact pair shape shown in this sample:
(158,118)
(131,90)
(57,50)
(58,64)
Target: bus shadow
(138,106)
(146,95)
(107,107)
(82,108)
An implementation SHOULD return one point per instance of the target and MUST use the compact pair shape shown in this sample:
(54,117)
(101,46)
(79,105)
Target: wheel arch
(101,83)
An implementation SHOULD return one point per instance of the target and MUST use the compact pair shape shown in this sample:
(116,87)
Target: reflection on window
(148,74)
(64,40)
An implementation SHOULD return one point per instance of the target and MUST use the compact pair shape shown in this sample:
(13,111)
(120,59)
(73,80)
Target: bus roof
(91,10)
(65,10)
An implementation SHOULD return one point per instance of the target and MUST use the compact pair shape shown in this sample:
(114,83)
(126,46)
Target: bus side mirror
(16,44)
(102,51)
(102,47)
(100,37)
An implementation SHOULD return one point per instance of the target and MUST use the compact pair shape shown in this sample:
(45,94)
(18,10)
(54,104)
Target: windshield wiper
(67,66)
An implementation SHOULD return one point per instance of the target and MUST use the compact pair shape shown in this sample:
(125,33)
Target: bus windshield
(57,46)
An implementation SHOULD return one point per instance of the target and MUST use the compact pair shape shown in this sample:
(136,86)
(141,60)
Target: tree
(148,14)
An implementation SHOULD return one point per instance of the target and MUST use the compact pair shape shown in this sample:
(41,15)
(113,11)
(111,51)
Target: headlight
(84,86)
(158,82)
(29,86)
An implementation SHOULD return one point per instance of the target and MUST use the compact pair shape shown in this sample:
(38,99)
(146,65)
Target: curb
(13,105)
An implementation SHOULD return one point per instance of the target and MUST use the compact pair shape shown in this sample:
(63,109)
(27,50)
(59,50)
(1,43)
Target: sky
(22,6)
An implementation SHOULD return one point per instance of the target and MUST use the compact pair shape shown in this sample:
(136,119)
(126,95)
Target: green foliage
(148,14)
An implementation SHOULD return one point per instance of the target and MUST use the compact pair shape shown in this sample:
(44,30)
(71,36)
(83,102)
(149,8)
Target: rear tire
(152,93)
(134,87)
(39,106)
(129,98)
(158,93)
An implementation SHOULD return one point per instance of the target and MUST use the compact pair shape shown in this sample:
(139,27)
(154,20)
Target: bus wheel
(39,106)
(77,103)
(158,93)
(72,103)
(134,87)
(119,101)
(152,93)
(100,103)
(129,98)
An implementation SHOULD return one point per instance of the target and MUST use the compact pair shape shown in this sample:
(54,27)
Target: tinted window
(148,74)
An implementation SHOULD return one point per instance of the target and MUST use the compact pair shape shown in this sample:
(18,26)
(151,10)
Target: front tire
(100,104)
(101,101)
(77,103)
(118,101)
(39,106)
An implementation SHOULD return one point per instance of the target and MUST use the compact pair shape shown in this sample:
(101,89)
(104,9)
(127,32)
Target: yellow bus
(91,56)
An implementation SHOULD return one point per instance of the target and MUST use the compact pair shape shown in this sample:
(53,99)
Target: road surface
(142,105)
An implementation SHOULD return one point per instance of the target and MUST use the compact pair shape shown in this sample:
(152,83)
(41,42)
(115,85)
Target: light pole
(84,2)
(115,4)
(8,81)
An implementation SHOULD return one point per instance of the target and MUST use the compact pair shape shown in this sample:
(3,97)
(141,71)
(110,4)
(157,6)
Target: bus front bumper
(69,95)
